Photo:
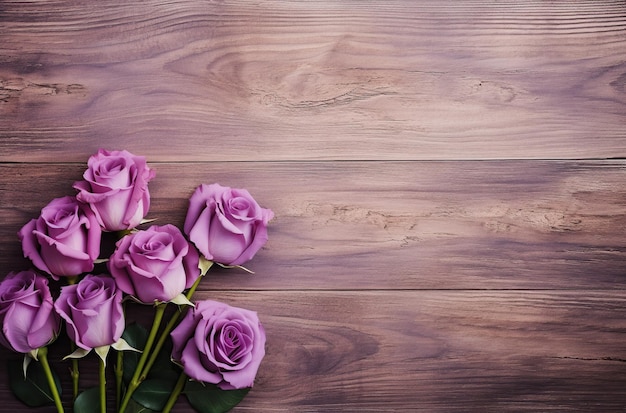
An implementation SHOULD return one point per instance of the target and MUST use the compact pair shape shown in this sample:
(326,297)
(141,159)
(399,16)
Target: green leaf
(208,398)
(153,393)
(32,390)
(163,367)
(87,401)
(136,337)
(134,407)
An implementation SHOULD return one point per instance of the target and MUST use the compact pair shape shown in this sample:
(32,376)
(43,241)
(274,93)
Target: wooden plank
(285,80)
(441,351)
(436,351)
(390,225)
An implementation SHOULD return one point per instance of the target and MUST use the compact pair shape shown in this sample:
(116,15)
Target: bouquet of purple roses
(208,351)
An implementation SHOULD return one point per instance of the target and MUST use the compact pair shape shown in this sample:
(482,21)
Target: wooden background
(448,179)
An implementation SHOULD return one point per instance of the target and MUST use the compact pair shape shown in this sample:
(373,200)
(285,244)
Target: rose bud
(227,225)
(92,310)
(219,344)
(156,264)
(26,312)
(116,188)
(64,240)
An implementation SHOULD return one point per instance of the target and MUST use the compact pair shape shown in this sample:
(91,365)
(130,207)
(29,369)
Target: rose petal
(30,246)
(225,246)
(195,369)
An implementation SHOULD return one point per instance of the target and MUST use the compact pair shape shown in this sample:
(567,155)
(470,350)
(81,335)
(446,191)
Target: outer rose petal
(156,289)
(30,246)
(199,233)
(225,246)
(260,238)
(194,368)
(44,326)
(15,327)
(61,259)
(190,262)
(182,332)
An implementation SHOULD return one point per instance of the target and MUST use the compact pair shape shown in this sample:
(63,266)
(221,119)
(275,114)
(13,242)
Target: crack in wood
(621,360)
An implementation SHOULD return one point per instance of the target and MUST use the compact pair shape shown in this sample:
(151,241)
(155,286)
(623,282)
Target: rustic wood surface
(448,180)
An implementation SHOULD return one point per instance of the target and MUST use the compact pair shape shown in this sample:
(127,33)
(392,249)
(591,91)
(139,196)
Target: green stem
(178,388)
(195,285)
(135,381)
(75,374)
(119,370)
(159,345)
(74,371)
(122,233)
(103,387)
(42,355)
(165,334)
(119,374)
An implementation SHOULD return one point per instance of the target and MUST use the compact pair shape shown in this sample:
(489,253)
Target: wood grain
(285,80)
(447,178)
(440,351)
(398,225)
(437,351)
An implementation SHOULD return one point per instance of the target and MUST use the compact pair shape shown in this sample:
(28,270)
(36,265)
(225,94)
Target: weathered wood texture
(283,80)
(440,351)
(392,225)
(447,180)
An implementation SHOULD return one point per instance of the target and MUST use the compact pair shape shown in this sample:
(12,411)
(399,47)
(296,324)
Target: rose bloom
(156,264)
(116,188)
(92,310)
(227,225)
(219,344)
(26,312)
(64,240)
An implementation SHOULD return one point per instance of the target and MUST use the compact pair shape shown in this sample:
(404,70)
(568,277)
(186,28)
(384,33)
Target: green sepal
(134,407)
(181,299)
(153,393)
(28,357)
(241,267)
(122,345)
(87,401)
(79,353)
(208,398)
(33,354)
(204,265)
(32,389)
(102,352)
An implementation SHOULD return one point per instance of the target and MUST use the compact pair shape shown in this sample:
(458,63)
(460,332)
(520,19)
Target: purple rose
(226,225)
(219,344)
(92,310)
(156,264)
(116,188)
(64,240)
(26,312)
